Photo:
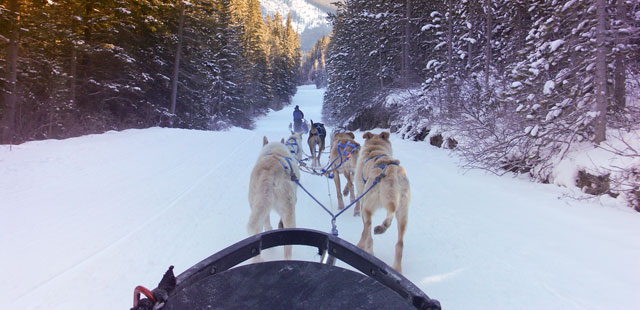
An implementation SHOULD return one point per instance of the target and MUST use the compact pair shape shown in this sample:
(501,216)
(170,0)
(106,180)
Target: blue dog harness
(294,148)
(288,166)
(320,131)
(342,149)
(381,166)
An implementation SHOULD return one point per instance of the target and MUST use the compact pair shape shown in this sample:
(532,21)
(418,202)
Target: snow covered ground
(85,220)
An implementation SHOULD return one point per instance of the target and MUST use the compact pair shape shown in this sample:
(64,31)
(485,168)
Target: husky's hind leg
(289,221)
(256,222)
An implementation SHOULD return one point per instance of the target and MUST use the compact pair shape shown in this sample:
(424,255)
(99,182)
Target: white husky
(271,187)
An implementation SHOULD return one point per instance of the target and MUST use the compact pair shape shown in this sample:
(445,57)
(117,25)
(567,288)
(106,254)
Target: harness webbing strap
(339,130)
(320,131)
(297,181)
(288,160)
(344,156)
(294,148)
(381,166)
(334,227)
(341,151)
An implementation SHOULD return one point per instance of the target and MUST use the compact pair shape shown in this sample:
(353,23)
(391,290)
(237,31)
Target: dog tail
(385,161)
(380,229)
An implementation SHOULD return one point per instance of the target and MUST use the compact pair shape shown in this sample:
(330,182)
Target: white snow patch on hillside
(306,14)
(603,160)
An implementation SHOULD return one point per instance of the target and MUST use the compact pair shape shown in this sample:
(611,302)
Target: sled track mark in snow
(577,304)
(169,206)
(195,184)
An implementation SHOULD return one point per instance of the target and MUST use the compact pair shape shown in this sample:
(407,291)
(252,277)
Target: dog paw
(379,229)
(356,213)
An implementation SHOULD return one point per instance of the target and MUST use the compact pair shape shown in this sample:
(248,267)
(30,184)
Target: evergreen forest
(513,83)
(73,67)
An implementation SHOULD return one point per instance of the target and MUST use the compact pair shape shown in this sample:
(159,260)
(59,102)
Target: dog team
(372,168)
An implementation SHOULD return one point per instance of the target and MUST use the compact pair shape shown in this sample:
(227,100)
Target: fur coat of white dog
(392,192)
(271,188)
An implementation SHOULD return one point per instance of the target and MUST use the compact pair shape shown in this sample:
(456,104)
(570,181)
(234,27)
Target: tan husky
(344,158)
(392,192)
(271,188)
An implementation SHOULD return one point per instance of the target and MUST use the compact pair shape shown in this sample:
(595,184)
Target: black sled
(214,284)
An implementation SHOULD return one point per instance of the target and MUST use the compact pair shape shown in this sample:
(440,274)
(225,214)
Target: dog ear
(282,140)
(367,135)
(384,135)
(265,141)
(351,135)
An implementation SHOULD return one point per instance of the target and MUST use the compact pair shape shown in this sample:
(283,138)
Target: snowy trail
(104,213)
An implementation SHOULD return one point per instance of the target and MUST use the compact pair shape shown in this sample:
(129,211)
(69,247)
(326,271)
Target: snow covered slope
(309,20)
(85,220)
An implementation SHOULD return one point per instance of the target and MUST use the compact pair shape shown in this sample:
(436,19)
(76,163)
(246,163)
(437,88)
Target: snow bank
(614,157)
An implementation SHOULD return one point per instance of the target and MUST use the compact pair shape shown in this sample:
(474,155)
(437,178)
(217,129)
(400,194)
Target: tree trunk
(488,56)
(74,62)
(9,117)
(380,67)
(470,20)
(405,46)
(619,91)
(218,107)
(83,70)
(449,56)
(74,72)
(600,105)
(469,52)
(176,65)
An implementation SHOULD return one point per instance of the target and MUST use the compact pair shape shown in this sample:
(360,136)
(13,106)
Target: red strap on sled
(136,295)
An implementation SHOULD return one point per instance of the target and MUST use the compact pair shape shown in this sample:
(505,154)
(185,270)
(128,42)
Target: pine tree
(359,64)
(90,66)
(313,67)
(291,43)
(10,82)
(227,102)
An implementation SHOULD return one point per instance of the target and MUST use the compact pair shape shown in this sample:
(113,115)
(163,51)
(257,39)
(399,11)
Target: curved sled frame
(336,247)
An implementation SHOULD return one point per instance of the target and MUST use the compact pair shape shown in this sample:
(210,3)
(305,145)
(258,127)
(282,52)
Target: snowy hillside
(85,220)
(309,20)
